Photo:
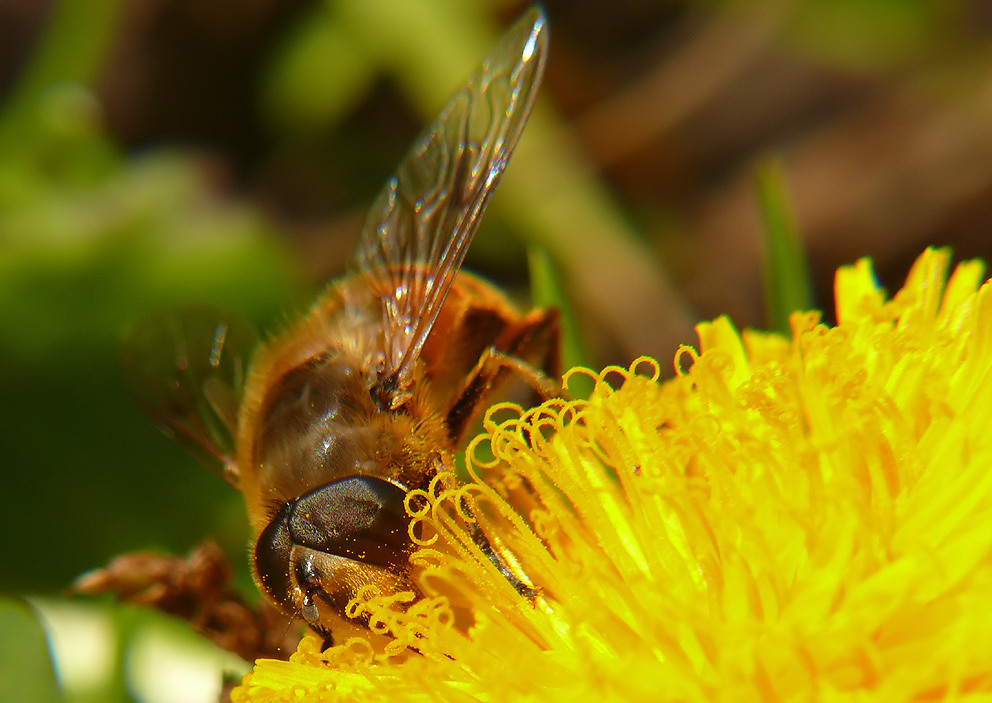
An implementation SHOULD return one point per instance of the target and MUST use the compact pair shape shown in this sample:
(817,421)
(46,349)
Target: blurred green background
(164,152)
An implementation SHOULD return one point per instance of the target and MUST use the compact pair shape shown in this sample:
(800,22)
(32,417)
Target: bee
(327,427)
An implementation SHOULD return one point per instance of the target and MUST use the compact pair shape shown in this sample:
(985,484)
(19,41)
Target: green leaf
(27,674)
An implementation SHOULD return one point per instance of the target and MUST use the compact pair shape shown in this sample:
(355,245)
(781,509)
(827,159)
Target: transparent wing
(186,369)
(421,225)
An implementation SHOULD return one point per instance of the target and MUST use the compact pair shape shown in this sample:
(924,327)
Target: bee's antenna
(289,624)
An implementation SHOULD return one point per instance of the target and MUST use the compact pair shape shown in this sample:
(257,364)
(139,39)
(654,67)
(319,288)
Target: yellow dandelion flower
(786,519)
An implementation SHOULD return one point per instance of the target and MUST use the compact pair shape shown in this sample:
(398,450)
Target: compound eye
(272,557)
(361,518)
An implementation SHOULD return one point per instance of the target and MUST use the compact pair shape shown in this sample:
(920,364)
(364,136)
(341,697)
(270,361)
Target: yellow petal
(786,519)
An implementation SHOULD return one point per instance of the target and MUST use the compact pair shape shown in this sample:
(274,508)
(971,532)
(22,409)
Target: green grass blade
(787,280)
(547,291)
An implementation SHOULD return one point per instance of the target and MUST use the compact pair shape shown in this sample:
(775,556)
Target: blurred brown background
(880,111)
(641,153)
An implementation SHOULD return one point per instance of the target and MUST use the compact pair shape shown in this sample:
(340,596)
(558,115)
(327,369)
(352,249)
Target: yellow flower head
(784,520)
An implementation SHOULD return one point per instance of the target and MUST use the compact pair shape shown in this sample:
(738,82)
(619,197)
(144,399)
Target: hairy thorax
(319,424)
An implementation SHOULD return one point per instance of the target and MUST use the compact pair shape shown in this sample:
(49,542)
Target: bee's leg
(328,638)
(541,383)
(483,543)
(528,350)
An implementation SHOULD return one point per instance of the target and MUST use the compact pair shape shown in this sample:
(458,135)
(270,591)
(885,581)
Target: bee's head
(319,549)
